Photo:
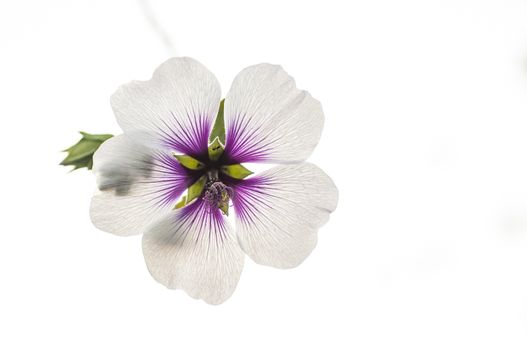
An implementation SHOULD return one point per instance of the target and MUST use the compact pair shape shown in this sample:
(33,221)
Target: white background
(425,136)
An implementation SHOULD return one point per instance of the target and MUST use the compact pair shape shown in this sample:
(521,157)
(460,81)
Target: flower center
(212,172)
(216,193)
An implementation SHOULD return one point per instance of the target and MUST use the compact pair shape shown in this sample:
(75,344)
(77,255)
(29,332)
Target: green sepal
(218,130)
(236,171)
(224,207)
(189,162)
(194,191)
(80,155)
(182,202)
(216,149)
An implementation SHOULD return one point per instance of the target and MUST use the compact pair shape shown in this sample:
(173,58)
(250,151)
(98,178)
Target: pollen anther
(217,195)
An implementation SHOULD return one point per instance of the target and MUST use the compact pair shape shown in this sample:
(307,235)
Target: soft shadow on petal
(268,119)
(195,249)
(176,108)
(136,186)
(278,213)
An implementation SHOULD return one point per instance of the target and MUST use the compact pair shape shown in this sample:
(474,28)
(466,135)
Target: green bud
(80,155)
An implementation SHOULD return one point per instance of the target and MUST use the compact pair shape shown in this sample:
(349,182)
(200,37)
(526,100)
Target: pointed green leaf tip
(236,171)
(218,130)
(80,155)
(189,162)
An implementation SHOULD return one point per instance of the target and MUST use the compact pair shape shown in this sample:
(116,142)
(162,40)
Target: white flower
(143,174)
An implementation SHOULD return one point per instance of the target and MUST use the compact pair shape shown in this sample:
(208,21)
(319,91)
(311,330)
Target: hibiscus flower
(177,173)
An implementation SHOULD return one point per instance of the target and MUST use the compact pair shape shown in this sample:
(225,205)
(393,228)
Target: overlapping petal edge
(277,213)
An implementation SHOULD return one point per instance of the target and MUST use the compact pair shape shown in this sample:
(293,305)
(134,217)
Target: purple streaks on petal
(240,142)
(201,217)
(168,179)
(249,192)
(187,134)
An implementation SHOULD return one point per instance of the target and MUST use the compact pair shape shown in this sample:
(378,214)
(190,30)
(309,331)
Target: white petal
(136,186)
(267,119)
(176,107)
(194,249)
(278,213)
